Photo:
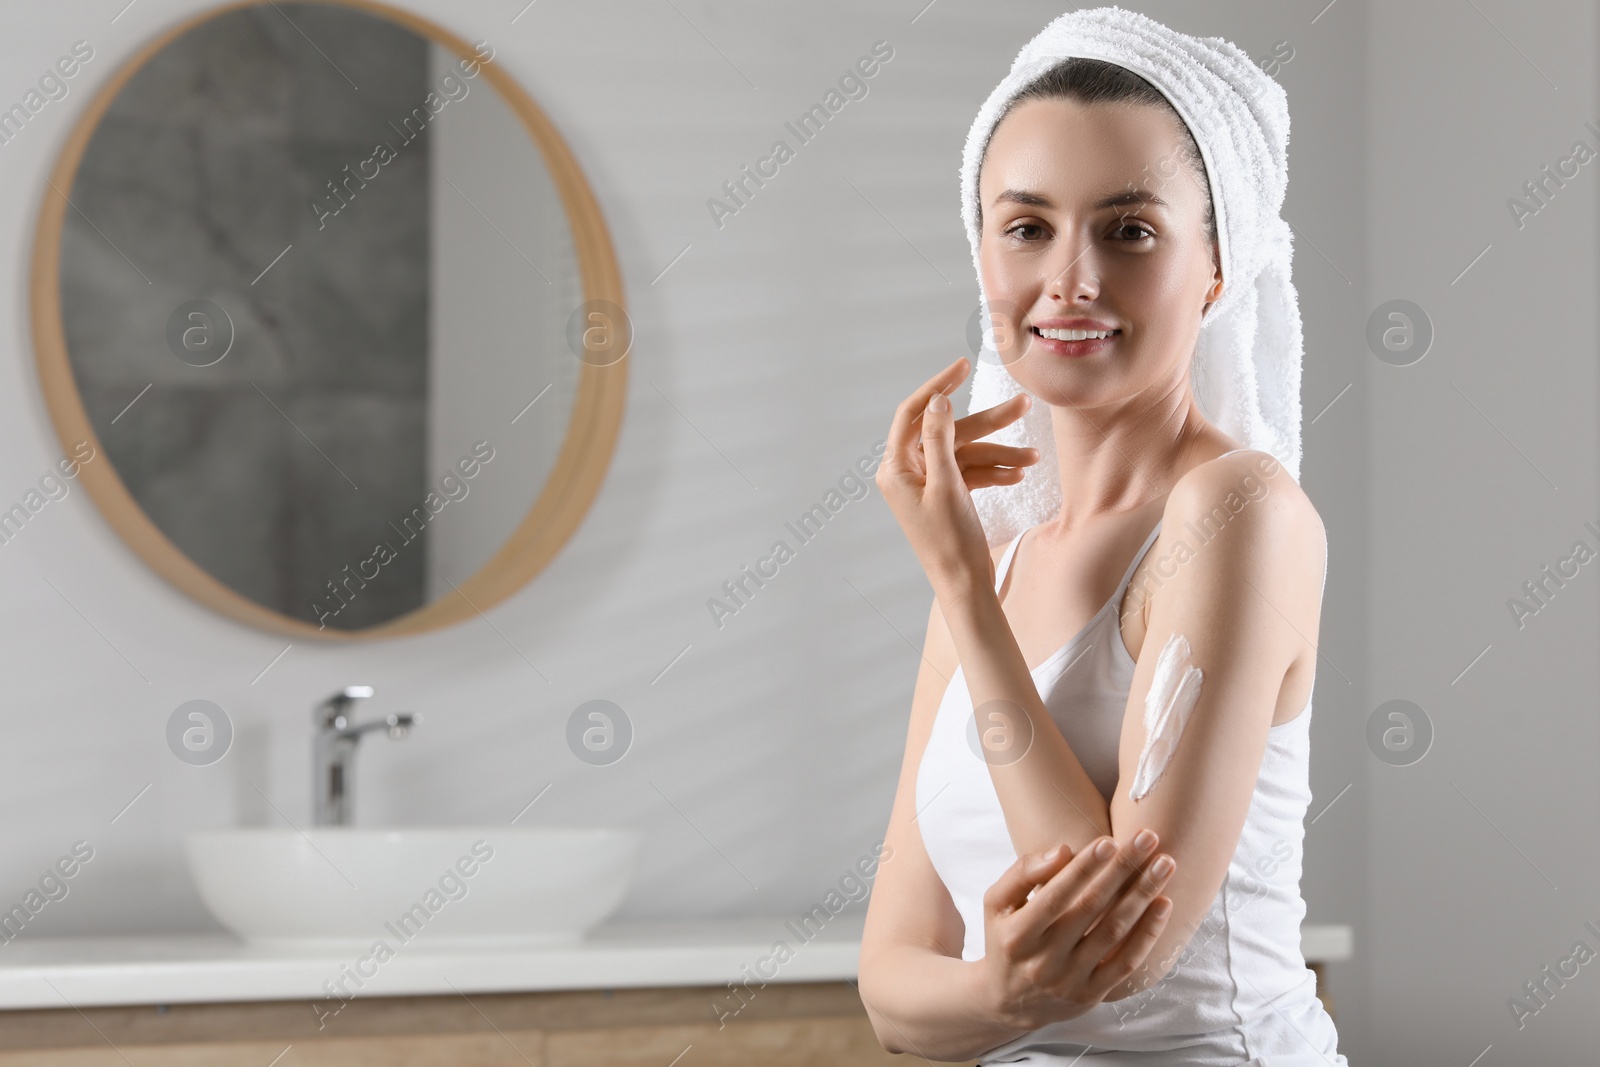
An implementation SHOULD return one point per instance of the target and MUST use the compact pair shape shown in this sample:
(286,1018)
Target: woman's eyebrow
(1021,196)
(1131,196)
(1121,199)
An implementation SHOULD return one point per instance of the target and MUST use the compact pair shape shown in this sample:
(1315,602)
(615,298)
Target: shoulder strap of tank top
(1151,539)
(1005,562)
(1011,549)
(1137,556)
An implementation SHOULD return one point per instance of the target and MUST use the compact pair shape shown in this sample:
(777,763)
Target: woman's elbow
(889,1037)
(884,1033)
(866,986)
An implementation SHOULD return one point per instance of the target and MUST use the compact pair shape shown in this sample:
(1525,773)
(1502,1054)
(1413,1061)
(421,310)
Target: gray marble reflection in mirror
(314,277)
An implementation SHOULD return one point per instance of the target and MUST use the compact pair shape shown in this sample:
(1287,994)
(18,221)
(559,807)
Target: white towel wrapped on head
(1247,362)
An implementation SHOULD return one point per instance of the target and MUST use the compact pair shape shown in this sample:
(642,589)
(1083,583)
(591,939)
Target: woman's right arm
(1048,955)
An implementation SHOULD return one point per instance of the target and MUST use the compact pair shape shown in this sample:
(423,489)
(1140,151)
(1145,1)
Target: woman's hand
(1043,963)
(932,463)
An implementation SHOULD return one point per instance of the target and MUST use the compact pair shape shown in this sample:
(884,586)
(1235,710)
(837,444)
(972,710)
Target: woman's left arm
(1247,602)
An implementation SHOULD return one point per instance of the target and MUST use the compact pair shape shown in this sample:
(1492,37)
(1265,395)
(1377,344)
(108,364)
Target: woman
(1135,275)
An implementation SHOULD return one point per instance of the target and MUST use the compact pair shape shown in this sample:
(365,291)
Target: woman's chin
(1052,381)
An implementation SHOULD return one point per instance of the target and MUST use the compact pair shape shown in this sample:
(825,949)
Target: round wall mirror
(334,306)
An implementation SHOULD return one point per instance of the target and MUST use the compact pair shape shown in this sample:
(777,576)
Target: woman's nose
(1076,274)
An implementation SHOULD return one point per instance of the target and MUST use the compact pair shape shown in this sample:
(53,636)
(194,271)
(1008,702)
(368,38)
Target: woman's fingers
(939,457)
(990,454)
(1121,918)
(985,422)
(985,477)
(985,463)
(1132,952)
(1117,914)
(905,432)
(1092,922)
(1010,891)
(1064,907)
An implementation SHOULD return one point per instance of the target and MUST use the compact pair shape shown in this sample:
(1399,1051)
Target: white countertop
(78,972)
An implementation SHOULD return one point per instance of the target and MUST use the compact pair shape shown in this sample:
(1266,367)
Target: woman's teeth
(1073,335)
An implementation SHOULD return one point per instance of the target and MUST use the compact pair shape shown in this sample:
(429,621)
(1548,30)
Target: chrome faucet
(333,752)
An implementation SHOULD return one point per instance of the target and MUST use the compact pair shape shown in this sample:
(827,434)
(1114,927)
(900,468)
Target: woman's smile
(1070,342)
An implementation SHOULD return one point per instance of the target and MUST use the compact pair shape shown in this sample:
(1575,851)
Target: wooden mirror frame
(574,480)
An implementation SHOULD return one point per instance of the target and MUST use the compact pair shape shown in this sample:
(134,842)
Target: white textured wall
(767,362)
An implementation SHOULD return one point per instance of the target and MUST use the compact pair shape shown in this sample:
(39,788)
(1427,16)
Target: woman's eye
(1034,230)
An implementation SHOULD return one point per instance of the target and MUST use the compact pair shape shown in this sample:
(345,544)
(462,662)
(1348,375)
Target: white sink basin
(344,887)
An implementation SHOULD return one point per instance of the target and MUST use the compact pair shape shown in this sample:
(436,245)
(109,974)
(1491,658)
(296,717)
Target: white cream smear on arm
(1173,692)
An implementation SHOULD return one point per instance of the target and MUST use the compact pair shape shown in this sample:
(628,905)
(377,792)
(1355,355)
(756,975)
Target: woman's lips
(1073,348)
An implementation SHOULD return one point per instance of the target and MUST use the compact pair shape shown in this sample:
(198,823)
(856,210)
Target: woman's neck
(1124,464)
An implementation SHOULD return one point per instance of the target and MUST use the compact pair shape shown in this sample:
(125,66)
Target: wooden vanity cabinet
(819,1024)
(815,1024)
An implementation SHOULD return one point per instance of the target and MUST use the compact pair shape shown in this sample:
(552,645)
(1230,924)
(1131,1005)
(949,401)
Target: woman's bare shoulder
(1246,475)
(1252,486)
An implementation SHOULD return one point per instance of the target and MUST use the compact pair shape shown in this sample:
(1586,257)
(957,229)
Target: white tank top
(1240,994)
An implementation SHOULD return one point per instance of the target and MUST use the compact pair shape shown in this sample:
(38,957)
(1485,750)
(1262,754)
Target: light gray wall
(768,359)
(1482,471)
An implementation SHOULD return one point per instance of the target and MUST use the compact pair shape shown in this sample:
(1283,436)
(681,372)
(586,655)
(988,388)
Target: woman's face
(1069,232)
